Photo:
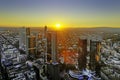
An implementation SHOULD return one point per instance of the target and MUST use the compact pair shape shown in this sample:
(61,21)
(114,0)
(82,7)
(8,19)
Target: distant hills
(97,29)
(104,29)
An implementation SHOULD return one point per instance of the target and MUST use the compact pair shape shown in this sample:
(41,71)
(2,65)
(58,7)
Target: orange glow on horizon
(57,27)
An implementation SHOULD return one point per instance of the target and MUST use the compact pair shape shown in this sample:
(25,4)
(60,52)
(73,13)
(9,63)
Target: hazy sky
(69,13)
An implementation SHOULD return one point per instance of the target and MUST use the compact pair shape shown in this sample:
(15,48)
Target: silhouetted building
(95,56)
(53,71)
(82,53)
(52,46)
(53,67)
(49,47)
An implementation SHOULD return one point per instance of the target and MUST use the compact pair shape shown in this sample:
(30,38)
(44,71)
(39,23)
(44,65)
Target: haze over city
(68,13)
(59,39)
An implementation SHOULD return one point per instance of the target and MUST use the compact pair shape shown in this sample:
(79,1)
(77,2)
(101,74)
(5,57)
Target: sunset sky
(69,13)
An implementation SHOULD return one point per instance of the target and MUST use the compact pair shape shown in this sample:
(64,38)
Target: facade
(52,46)
(24,33)
(95,56)
(49,48)
(82,53)
(32,45)
(27,41)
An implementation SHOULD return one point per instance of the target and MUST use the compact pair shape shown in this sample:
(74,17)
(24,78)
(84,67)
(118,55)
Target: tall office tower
(39,36)
(32,45)
(45,37)
(28,40)
(95,56)
(49,47)
(53,68)
(82,53)
(45,31)
(52,46)
(24,32)
(27,31)
(39,44)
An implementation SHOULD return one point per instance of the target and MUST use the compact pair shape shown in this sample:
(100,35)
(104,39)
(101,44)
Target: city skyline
(68,13)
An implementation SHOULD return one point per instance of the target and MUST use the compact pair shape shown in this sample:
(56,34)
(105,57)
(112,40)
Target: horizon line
(51,26)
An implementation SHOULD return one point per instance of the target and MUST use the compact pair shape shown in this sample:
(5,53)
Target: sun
(58,26)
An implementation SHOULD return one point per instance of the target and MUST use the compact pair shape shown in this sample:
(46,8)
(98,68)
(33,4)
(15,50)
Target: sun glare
(58,26)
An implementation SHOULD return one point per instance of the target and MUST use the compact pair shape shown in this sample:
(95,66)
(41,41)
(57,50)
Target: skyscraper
(95,56)
(49,46)
(82,53)
(28,41)
(32,45)
(52,46)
